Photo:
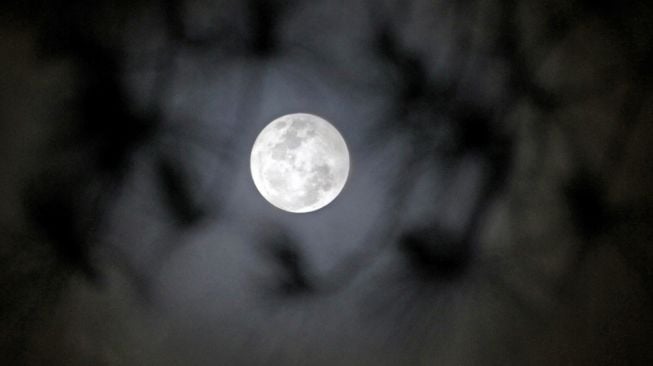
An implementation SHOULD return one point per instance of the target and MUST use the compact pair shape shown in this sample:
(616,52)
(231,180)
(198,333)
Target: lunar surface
(299,162)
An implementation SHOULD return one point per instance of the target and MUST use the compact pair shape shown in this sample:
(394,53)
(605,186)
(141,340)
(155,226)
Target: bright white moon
(299,162)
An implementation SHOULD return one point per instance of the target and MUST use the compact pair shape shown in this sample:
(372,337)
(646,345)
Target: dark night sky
(498,209)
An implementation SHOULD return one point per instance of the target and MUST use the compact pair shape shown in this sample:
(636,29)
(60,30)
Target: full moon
(299,162)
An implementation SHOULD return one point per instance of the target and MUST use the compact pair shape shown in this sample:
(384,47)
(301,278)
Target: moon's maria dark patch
(322,178)
(290,139)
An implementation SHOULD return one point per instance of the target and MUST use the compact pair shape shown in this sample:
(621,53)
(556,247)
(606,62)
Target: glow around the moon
(299,162)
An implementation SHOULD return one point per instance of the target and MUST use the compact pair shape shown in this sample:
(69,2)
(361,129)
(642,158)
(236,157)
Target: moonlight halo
(299,162)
